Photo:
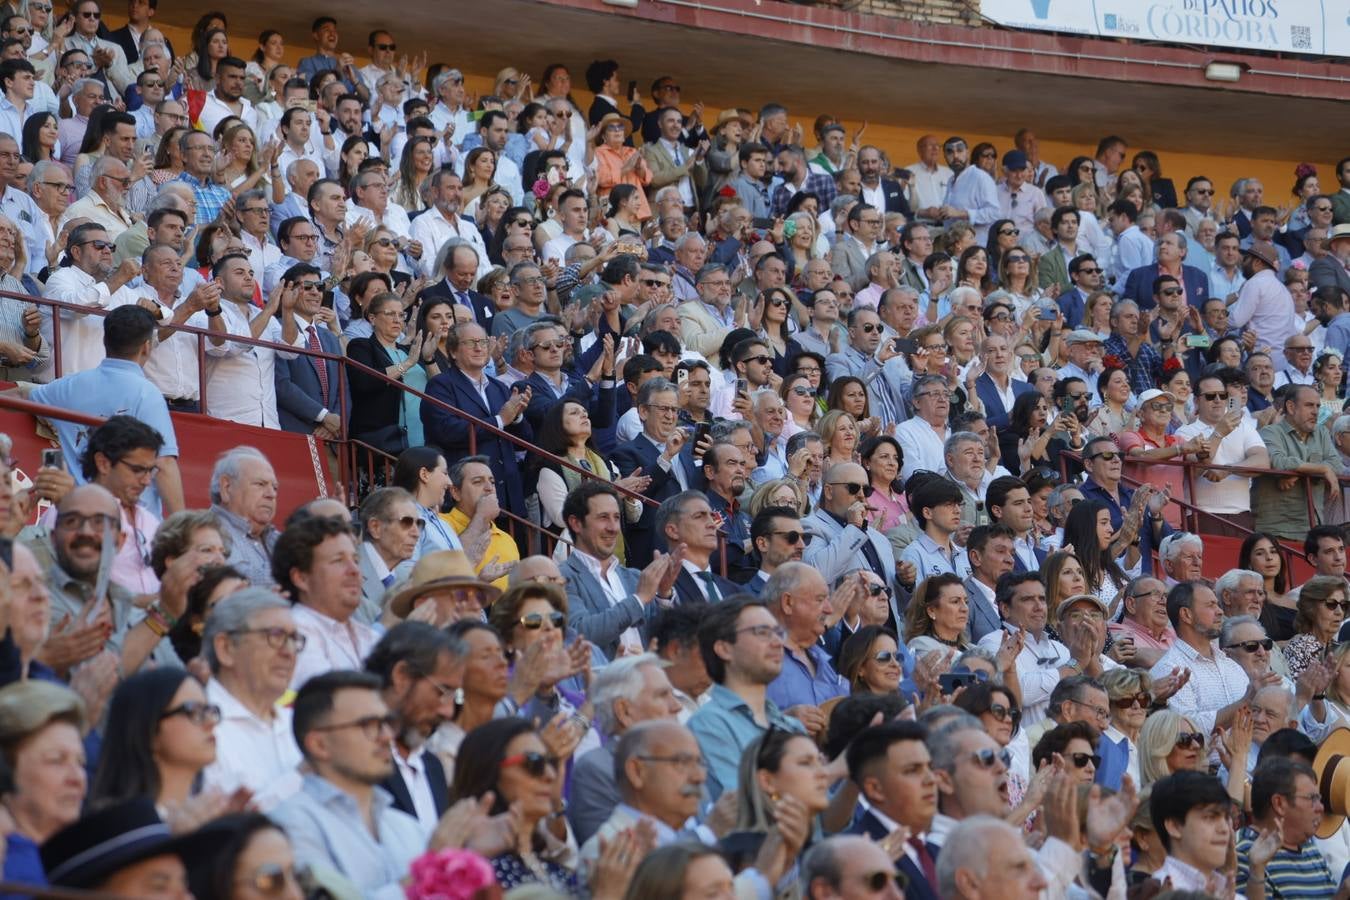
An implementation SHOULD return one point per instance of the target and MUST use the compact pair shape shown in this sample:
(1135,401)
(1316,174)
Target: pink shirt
(1142,637)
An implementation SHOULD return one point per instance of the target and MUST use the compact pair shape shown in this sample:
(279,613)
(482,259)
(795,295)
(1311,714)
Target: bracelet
(212,315)
(159,621)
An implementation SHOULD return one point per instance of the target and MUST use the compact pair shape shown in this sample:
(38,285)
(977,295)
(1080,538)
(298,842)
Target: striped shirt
(1301,874)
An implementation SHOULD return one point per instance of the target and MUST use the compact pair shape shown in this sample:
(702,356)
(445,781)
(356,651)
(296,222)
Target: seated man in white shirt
(251,644)
(370,201)
(315,563)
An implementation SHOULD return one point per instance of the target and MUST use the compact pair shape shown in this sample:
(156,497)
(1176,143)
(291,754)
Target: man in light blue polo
(118,386)
(742,646)
(937,508)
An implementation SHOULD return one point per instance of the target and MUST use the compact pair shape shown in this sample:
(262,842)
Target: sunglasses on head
(1190,738)
(534,764)
(535,621)
(1080,760)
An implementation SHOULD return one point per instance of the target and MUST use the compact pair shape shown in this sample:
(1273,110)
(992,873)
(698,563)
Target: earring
(459,696)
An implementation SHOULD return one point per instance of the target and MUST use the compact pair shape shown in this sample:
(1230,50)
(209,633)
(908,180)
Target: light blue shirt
(1220,285)
(724,727)
(436,535)
(929,559)
(114,387)
(326,829)
(973,190)
(797,684)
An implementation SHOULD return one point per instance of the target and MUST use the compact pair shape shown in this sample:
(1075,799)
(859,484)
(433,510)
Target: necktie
(926,862)
(320,365)
(388,579)
(714,596)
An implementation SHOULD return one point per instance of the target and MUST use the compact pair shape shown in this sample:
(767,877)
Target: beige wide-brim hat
(1332,766)
(436,571)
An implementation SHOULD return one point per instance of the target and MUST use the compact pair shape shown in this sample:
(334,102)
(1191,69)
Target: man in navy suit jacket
(997,379)
(551,384)
(461,271)
(467,387)
(309,402)
(1139,283)
(892,191)
(656,451)
(412,661)
(688,519)
(879,757)
(1086,274)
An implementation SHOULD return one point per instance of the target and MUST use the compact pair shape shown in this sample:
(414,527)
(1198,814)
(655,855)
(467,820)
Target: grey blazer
(590,613)
(372,588)
(983,617)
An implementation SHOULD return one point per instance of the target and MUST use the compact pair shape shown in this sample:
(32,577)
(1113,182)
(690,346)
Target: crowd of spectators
(753,513)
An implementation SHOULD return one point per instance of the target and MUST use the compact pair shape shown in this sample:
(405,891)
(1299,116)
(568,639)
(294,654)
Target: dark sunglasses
(802,390)
(194,711)
(1251,646)
(271,878)
(869,328)
(1214,395)
(535,621)
(1011,232)
(1005,713)
(876,882)
(762,360)
(386,46)
(1143,700)
(534,764)
(409,522)
(877,590)
(1190,738)
(1107,455)
(853,488)
(99,245)
(1019,258)
(886,656)
(987,757)
(1080,760)
(1333,605)
(1171,292)
(792,537)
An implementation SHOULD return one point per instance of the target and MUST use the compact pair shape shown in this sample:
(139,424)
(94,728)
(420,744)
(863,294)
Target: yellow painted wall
(899,140)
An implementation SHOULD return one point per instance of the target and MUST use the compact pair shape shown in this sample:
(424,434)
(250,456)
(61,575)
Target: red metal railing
(351,451)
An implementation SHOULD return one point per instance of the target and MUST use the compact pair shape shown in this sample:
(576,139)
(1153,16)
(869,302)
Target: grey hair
(232,615)
(653,386)
(515,345)
(981,654)
(620,680)
(688,238)
(534,328)
(377,505)
(246,196)
(1232,580)
(841,201)
(876,259)
(81,83)
(1341,425)
(38,172)
(668,189)
(786,579)
(1119,306)
(1055,502)
(956,440)
(823,861)
(962,292)
(1284,693)
(1229,624)
(672,508)
(942,743)
(227,466)
(724,429)
(967,847)
(103,165)
(443,254)
(456,471)
(933,715)
(635,741)
(649,320)
(439,81)
(169,196)
(1172,544)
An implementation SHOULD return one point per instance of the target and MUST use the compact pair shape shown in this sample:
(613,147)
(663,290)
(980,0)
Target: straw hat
(728,115)
(1332,766)
(1339,233)
(613,119)
(436,571)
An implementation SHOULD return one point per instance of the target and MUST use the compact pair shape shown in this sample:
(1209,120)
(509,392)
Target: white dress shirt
(215,109)
(172,366)
(432,229)
(930,188)
(395,217)
(82,335)
(330,644)
(607,575)
(1233,494)
(259,754)
(922,446)
(413,770)
(240,378)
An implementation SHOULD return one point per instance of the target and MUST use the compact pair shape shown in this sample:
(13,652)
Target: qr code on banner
(1300,37)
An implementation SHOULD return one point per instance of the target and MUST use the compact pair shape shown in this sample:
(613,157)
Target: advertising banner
(1317,27)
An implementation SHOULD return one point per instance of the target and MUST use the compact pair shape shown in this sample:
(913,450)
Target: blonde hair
(27,707)
(1157,739)
(829,424)
(760,498)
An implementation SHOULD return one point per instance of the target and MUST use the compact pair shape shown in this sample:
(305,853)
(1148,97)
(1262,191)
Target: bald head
(83,517)
(536,568)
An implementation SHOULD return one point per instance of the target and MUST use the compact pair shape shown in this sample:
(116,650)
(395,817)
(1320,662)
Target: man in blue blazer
(309,397)
(882,761)
(1171,251)
(551,384)
(990,549)
(467,387)
(996,384)
(608,603)
(656,451)
(461,271)
(1086,274)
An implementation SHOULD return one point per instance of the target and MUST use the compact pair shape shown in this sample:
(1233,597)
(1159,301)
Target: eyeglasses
(535,621)
(408,522)
(808,370)
(386,46)
(1088,270)
(98,244)
(446,691)
(792,537)
(270,878)
(987,757)
(885,656)
(937,348)
(764,632)
(802,390)
(383,242)
(1011,232)
(684,761)
(522,223)
(1300,348)
(1141,700)
(1321,209)
(1108,455)
(61,186)
(372,727)
(311,286)
(532,279)
(1203,190)
(254,209)
(314,237)
(472,343)
(1189,738)
(662,408)
(1080,760)
(778,302)
(1005,713)
(73,521)
(534,764)
(152,84)
(41,7)
(1000,317)
(139,471)
(1101,712)
(1160,407)
(277,637)
(853,488)
(195,711)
